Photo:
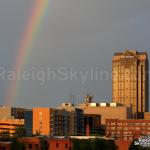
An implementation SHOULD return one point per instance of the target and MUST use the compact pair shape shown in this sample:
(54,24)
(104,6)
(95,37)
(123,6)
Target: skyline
(74,34)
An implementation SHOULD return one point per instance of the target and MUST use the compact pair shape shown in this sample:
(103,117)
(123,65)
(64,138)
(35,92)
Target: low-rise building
(30,143)
(38,143)
(59,144)
(105,110)
(123,144)
(147,115)
(5,145)
(7,112)
(8,126)
(127,129)
(76,119)
(28,122)
(92,124)
(50,122)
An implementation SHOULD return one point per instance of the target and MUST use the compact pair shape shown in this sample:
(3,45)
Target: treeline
(93,144)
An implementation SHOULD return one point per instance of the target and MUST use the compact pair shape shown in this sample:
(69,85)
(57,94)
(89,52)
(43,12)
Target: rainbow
(25,46)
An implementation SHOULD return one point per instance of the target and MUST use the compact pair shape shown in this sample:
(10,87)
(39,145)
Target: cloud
(73,33)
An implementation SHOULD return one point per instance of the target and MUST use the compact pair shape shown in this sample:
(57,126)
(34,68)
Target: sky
(72,52)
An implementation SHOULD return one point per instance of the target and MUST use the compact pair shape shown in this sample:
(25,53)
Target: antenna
(72,98)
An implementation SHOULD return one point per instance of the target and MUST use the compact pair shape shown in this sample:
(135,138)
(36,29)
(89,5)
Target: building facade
(50,122)
(147,115)
(76,119)
(105,110)
(5,145)
(130,80)
(28,122)
(92,124)
(127,129)
(7,112)
(8,126)
(37,143)
(59,144)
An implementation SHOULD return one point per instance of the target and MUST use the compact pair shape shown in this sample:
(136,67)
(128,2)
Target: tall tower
(130,80)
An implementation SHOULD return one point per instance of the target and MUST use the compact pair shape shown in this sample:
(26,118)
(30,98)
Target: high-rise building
(130,80)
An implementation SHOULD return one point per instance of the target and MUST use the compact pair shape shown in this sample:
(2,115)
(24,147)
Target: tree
(94,144)
(20,132)
(43,144)
(16,145)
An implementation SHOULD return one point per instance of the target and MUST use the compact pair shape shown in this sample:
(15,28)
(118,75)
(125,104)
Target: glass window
(30,146)
(57,145)
(36,146)
(66,145)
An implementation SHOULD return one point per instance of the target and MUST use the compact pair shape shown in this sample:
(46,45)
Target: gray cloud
(74,33)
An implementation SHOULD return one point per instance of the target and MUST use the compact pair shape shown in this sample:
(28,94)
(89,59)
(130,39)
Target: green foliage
(93,144)
(20,132)
(98,132)
(16,145)
(43,144)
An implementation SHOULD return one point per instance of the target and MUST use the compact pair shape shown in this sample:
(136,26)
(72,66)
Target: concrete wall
(107,112)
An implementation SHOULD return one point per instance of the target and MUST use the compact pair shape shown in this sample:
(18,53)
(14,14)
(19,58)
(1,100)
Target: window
(30,146)
(57,145)
(24,147)
(36,146)
(66,145)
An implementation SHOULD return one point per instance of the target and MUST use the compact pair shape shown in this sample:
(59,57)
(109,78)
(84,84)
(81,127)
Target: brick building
(5,145)
(123,144)
(59,144)
(35,143)
(30,143)
(127,129)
